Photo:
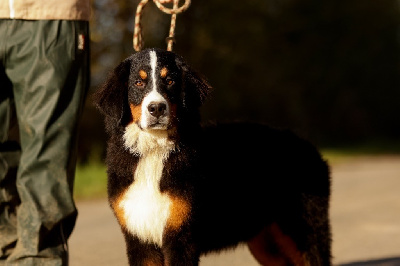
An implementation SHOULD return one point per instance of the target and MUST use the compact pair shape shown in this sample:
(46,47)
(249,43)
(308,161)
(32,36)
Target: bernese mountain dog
(180,190)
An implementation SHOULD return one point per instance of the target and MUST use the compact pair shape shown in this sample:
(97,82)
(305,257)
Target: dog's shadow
(395,261)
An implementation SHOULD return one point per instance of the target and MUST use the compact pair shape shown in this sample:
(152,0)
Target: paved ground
(365,217)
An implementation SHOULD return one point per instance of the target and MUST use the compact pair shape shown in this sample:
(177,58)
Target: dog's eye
(169,81)
(139,83)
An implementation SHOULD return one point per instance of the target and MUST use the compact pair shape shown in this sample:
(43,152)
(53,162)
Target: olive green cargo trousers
(44,77)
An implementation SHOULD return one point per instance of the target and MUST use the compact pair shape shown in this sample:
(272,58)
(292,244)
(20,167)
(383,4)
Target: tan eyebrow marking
(143,74)
(164,72)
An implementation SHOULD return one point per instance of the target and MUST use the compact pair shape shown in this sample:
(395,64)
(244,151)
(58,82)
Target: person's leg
(9,199)
(9,158)
(49,69)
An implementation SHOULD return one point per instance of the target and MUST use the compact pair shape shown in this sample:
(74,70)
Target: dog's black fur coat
(239,179)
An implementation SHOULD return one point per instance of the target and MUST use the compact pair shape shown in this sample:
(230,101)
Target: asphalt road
(365,218)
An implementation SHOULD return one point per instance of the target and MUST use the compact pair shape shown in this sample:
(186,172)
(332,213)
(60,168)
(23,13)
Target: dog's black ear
(111,98)
(196,88)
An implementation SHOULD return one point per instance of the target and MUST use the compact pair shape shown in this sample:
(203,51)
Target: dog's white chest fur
(146,209)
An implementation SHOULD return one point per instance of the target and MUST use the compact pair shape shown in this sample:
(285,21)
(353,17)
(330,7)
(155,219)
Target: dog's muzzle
(157,109)
(156,116)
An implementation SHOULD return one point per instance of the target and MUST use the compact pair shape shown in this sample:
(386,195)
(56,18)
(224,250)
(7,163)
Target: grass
(90,181)
(372,148)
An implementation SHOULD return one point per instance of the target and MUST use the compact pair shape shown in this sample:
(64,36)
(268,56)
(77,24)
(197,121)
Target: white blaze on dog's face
(155,108)
(154,90)
(152,86)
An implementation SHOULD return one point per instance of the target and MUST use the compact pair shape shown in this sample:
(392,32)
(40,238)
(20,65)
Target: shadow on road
(379,262)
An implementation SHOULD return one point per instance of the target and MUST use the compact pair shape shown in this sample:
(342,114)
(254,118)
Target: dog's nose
(157,109)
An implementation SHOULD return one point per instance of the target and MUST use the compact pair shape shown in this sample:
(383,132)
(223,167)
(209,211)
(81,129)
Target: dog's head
(150,97)
(151,88)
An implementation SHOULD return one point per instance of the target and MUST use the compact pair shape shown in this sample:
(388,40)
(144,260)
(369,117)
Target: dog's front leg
(142,254)
(181,251)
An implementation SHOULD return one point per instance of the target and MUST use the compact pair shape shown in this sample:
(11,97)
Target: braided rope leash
(137,36)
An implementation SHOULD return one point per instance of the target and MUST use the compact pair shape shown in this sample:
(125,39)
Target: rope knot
(137,36)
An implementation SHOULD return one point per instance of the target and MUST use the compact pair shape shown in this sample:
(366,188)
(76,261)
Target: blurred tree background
(329,70)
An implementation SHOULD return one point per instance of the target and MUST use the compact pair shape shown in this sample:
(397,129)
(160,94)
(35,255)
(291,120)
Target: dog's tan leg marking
(136,111)
(179,212)
(272,247)
(150,262)
(260,247)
